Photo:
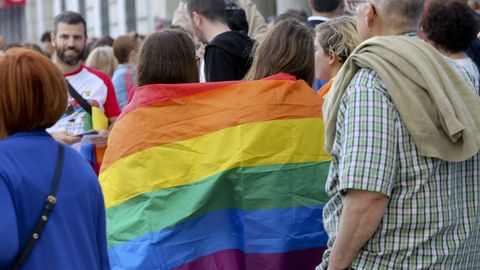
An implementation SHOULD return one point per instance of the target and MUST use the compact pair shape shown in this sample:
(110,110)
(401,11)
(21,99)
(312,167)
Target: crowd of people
(400,88)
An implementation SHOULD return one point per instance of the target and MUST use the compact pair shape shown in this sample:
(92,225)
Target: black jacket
(227,57)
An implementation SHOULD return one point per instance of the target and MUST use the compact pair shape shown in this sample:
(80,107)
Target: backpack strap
(79,99)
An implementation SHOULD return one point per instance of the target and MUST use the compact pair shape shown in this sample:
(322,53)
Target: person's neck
(386,30)
(329,15)
(214,29)
(454,55)
(63,67)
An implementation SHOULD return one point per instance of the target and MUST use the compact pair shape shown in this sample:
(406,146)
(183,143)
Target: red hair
(33,92)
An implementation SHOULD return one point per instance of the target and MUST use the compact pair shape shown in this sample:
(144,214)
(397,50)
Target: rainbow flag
(226,175)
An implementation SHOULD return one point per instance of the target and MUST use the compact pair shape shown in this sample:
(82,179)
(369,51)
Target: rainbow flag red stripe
(217,176)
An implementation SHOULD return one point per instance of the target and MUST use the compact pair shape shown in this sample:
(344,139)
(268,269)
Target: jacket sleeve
(180,16)
(257,27)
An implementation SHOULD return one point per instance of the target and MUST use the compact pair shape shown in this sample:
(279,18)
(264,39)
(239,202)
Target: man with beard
(69,40)
(227,53)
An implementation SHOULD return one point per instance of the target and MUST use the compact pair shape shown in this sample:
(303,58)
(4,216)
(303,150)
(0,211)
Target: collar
(318,18)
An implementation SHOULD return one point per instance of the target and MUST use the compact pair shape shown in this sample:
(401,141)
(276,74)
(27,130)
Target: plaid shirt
(433,217)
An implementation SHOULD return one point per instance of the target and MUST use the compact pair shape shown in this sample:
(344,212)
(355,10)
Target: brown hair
(33,92)
(167,57)
(338,35)
(123,45)
(287,48)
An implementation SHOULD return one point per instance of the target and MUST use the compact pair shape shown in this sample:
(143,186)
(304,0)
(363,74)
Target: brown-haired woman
(33,96)
(167,57)
(287,48)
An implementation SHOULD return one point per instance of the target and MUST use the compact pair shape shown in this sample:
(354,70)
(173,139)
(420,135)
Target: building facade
(27,22)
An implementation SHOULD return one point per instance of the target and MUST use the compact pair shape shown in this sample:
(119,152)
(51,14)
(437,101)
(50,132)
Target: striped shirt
(433,217)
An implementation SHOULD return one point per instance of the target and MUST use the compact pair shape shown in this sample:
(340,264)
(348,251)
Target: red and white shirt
(94,86)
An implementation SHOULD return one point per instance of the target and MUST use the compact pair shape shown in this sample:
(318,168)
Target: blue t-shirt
(119,81)
(75,234)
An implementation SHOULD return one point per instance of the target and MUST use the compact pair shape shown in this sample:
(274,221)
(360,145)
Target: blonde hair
(338,35)
(102,58)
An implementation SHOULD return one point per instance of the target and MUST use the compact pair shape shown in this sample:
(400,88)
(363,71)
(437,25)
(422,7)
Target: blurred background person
(236,17)
(34,47)
(46,44)
(33,96)
(324,10)
(441,26)
(300,15)
(102,58)
(125,48)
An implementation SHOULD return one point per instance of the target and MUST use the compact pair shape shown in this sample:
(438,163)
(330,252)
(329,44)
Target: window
(105,18)
(131,15)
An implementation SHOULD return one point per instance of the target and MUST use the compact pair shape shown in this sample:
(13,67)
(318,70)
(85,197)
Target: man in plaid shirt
(392,206)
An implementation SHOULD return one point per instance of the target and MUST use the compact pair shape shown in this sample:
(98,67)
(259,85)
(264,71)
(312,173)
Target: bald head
(400,14)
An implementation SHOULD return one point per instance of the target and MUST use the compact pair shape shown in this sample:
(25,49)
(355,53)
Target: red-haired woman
(53,215)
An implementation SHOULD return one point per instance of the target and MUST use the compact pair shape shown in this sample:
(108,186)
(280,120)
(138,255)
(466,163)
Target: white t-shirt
(469,65)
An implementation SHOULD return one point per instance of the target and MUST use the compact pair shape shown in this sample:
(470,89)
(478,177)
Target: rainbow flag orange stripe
(217,176)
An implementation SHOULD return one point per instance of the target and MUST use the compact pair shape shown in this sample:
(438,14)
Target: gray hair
(402,14)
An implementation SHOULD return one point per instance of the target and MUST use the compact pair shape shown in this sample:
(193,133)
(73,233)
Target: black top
(315,22)
(227,57)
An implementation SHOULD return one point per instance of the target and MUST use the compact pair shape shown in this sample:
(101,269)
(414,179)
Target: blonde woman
(335,40)
(102,58)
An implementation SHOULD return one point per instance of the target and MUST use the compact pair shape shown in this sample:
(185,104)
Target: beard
(69,60)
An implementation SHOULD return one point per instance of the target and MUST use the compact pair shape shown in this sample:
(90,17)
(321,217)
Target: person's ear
(53,39)
(332,58)
(196,18)
(370,15)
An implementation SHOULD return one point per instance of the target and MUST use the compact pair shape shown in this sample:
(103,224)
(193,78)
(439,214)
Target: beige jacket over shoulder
(256,22)
(440,109)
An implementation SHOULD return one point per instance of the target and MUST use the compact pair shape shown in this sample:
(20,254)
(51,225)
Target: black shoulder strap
(47,209)
(79,99)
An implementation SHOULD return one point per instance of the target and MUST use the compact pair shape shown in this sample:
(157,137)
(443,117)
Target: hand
(101,139)
(66,137)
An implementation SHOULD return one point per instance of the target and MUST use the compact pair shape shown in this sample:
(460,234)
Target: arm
(361,215)
(180,17)
(367,162)
(257,27)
